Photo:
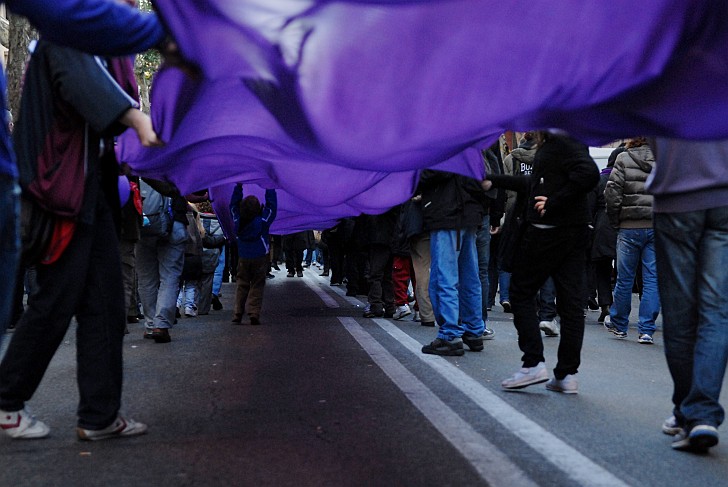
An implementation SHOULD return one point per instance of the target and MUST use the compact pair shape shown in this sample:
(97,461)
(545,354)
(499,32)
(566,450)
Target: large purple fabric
(339,104)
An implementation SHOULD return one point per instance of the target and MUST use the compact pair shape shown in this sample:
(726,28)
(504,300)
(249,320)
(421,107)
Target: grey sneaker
(22,425)
(527,376)
(699,440)
(567,385)
(416,316)
(670,426)
(646,339)
(550,328)
(473,341)
(488,334)
(401,312)
(119,428)
(439,346)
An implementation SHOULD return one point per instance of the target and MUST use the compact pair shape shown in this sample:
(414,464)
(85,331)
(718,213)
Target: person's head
(636,142)
(613,156)
(250,207)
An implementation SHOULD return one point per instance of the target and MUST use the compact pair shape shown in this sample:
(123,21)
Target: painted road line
(497,471)
(563,456)
(315,287)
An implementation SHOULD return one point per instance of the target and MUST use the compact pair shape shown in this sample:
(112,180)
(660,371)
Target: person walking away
(690,188)
(252,226)
(629,208)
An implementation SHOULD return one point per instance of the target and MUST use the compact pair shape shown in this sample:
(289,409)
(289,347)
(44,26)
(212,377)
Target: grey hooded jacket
(628,204)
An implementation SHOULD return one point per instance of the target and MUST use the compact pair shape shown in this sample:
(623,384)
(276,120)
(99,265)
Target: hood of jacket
(643,157)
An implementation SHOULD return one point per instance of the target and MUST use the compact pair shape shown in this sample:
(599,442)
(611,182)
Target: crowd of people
(542,231)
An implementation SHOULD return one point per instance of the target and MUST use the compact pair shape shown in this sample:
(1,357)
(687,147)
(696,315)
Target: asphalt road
(319,396)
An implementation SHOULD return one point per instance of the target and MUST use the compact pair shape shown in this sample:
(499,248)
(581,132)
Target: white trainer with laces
(527,376)
(401,312)
(550,328)
(119,428)
(567,385)
(22,425)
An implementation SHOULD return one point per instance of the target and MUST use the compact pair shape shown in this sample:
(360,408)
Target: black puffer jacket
(450,201)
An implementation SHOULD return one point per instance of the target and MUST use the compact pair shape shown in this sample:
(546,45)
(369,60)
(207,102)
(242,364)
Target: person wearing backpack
(161,256)
(79,95)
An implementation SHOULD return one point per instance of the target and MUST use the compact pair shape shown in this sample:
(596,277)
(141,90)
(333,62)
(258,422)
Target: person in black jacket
(553,243)
(452,214)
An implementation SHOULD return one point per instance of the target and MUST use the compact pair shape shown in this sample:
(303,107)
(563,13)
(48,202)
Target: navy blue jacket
(254,238)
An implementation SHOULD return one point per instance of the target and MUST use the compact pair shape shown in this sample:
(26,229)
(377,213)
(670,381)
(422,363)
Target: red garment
(402,272)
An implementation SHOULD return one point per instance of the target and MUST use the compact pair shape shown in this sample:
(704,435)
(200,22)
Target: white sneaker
(567,385)
(401,312)
(527,376)
(416,316)
(550,328)
(119,428)
(23,425)
(190,312)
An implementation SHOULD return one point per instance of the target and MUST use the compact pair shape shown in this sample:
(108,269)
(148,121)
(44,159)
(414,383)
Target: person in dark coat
(553,243)
(604,245)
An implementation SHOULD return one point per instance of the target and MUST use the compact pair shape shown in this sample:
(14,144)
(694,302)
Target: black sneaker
(592,304)
(254,320)
(473,341)
(216,304)
(701,438)
(506,306)
(439,346)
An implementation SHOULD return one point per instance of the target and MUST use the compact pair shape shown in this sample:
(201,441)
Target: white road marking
(491,464)
(565,457)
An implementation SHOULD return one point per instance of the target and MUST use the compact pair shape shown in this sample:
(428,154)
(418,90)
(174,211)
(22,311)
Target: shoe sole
(525,384)
(448,353)
(548,331)
(562,391)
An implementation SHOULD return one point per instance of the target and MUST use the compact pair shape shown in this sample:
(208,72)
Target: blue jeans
(454,283)
(159,267)
(187,296)
(9,246)
(482,243)
(635,245)
(217,279)
(692,258)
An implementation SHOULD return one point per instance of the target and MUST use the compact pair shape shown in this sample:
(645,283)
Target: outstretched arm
(96,26)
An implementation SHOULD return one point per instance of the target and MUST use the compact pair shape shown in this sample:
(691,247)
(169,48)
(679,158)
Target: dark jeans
(547,301)
(381,288)
(559,253)
(603,274)
(692,258)
(86,281)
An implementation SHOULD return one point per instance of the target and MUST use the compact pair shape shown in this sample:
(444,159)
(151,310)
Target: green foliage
(147,63)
